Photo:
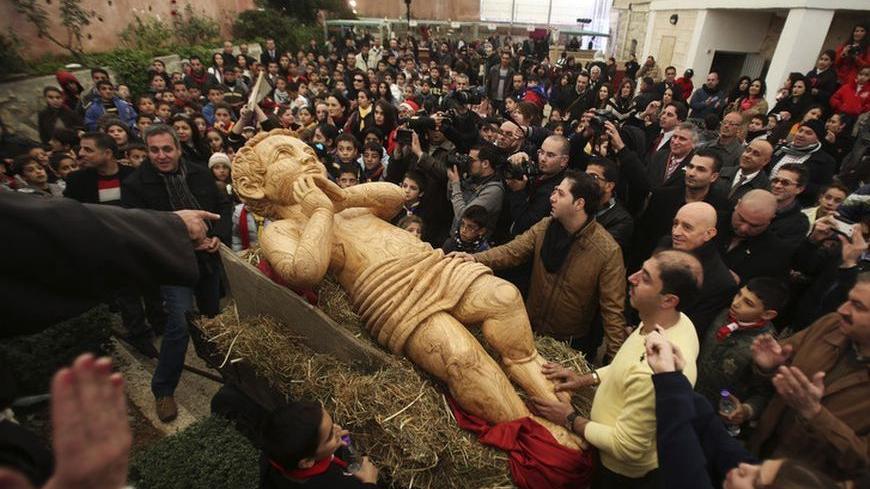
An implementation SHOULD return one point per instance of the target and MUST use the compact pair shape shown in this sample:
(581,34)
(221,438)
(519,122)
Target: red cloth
(307,294)
(536,460)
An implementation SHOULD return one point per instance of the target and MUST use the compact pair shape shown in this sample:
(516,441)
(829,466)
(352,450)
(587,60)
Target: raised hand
(308,195)
(768,353)
(800,393)
(89,421)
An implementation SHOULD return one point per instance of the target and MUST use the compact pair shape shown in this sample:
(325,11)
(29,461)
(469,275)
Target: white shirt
(740,173)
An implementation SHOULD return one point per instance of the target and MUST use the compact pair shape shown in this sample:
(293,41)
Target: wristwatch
(595,378)
(569,420)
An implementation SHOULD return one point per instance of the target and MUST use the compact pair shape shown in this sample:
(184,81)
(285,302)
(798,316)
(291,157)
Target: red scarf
(318,468)
(733,325)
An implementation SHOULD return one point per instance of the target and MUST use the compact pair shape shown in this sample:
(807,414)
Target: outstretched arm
(300,254)
(384,199)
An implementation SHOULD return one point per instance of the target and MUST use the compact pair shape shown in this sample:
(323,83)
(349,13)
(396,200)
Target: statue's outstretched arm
(299,248)
(384,199)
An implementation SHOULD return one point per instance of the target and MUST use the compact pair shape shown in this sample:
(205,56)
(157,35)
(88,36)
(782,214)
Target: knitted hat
(410,105)
(817,126)
(219,158)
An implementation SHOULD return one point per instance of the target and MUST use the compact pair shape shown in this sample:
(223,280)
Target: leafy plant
(147,34)
(72,17)
(191,29)
(289,34)
(210,454)
(10,57)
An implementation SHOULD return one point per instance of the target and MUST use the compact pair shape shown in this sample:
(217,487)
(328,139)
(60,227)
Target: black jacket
(103,248)
(529,206)
(81,185)
(657,165)
(717,290)
(791,226)
(825,83)
(658,218)
(726,180)
(48,119)
(144,189)
(759,256)
(619,223)
(695,451)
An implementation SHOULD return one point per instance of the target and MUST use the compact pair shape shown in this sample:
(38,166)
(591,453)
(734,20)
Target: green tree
(72,17)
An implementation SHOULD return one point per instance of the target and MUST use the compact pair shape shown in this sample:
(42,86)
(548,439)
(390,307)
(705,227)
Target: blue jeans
(179,303)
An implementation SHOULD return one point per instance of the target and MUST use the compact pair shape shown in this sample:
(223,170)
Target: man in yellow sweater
(622,422)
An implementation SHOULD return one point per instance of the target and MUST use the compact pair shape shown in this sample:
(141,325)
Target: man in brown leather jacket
(577,269)
(819,415)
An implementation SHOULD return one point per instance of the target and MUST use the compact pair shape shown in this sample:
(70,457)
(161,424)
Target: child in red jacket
(853,98)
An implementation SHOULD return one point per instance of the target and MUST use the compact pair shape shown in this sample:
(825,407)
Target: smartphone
(403,136)
(844,226)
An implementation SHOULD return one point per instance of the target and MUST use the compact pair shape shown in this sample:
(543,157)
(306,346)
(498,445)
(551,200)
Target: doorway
(729,65)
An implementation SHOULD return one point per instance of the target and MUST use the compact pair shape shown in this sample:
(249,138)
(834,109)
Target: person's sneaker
(144,345)
(167,410)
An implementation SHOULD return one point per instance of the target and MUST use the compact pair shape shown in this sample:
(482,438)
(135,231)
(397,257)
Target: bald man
(748,174)
(694,231)
(748,246)
(728,143)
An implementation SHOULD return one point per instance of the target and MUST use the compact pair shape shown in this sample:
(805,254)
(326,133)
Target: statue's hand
(309,196)
(336,194)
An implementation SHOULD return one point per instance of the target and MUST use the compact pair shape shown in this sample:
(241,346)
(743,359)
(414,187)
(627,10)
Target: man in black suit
(270,54)
(670,82)
(749,172)
(693,230)
(790,224)
(611,214)
(665,167)
(748,246)
(697,186)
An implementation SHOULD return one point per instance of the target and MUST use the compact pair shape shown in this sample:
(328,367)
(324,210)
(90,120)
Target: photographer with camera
(532,184)
(459,123)
(474,180)
(619,145)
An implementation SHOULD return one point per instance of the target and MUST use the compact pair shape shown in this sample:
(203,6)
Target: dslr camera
(596,122)
(516,172)
(460,161)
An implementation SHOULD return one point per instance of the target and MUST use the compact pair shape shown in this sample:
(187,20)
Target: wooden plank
(255,294)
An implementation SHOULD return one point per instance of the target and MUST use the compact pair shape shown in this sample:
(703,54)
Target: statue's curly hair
(249,173)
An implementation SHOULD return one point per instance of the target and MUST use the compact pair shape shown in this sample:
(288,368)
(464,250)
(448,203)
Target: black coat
(717,290)
(103,248)
(657,165)
(619,223)
(726,180)
(825,83)
(48,119)
(144,189)
(791,226)
(764,255)
(532,204)
(81,185)
(695,451)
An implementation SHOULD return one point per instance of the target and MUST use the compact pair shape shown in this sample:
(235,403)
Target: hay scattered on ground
(398,415)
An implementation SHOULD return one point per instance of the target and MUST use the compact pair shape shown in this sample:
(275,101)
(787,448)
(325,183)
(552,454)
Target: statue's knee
(507,296)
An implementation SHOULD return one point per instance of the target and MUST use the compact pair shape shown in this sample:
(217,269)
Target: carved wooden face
(267,173)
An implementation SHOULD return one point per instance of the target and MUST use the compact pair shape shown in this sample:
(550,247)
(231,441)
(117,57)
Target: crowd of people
(705,251)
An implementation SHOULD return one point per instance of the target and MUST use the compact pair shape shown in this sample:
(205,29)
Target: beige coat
(564,304)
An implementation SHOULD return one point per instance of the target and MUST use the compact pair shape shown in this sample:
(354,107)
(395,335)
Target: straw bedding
(398,415)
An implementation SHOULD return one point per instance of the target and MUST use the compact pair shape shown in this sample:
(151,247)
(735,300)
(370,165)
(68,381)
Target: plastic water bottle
(727,405)
(354,462)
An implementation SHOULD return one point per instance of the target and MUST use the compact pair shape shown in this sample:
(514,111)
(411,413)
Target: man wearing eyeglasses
(790,224)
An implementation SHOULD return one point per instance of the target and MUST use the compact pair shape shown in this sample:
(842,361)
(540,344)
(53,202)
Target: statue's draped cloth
(397,295)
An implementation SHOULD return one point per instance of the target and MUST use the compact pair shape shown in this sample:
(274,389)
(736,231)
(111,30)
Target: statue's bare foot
(527,374)
(561,434)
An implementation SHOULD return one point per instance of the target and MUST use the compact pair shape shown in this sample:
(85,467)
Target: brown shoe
(167,410)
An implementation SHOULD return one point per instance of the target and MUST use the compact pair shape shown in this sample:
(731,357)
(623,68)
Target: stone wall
(110,19)
(21,100)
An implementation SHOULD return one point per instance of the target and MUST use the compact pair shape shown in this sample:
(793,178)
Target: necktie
(740,181)
(671,168)
(656,142)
